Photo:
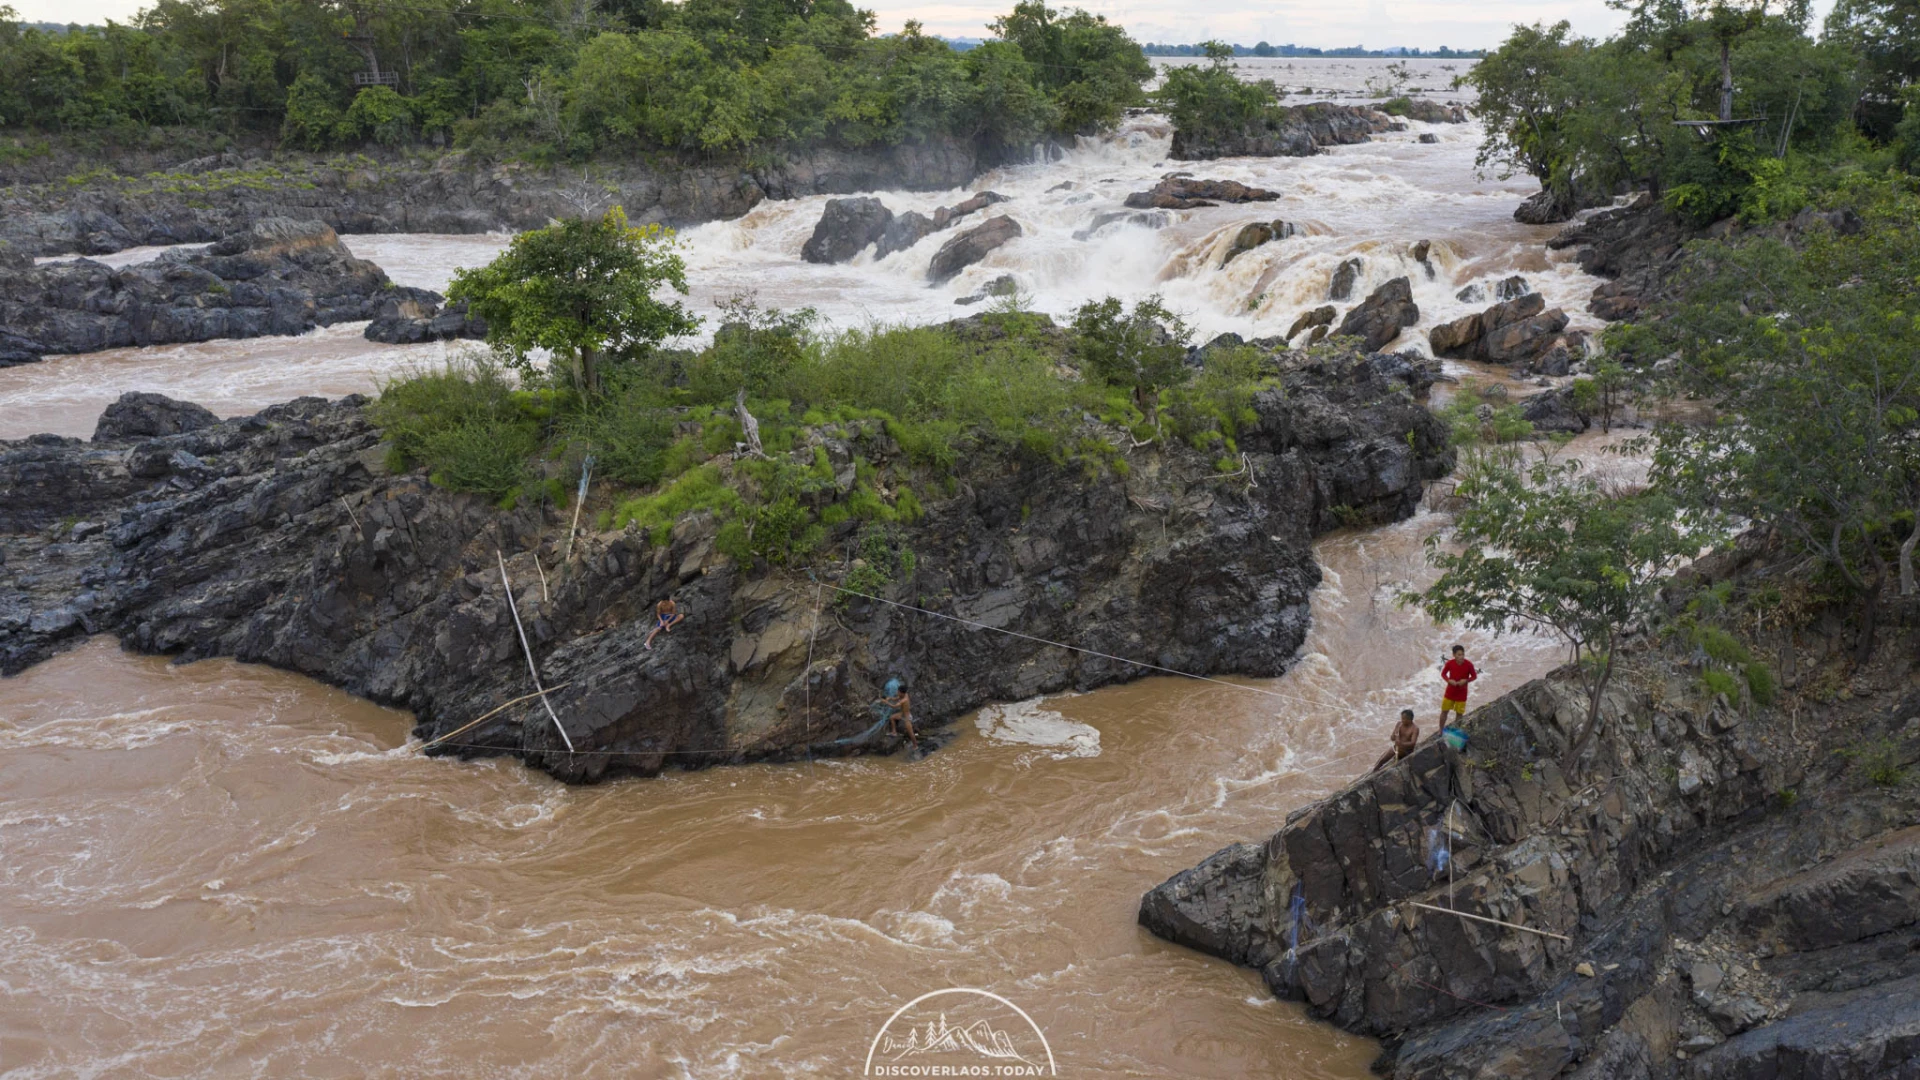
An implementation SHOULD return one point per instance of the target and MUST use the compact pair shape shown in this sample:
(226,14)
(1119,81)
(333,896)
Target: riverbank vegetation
(1721,108)
(782,428)
(517,76)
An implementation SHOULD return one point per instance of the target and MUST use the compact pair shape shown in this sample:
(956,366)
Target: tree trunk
(1870,611)
(1726,80)
(1907,585)
(1594,693)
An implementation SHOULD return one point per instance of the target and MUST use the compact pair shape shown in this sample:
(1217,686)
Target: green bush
(489,457)
(1714,681)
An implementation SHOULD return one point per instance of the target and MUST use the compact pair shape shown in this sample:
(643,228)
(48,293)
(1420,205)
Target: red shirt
(1458,669)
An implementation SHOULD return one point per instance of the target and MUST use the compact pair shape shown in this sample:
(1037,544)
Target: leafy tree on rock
(582,290)
(1551,549)
(1144,350)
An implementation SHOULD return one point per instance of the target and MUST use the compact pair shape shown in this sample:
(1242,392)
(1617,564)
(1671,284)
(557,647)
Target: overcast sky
(1376,24)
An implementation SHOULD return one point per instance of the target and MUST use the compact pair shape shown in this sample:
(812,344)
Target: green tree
(1811,359)
(581,290)
(1548,548)
(1211,103)
(1091,68)
(1144,350)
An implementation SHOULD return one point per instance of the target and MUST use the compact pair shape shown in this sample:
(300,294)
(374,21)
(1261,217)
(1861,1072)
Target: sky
(1376,24)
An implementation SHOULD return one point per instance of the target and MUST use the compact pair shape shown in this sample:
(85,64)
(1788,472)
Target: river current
(223,870)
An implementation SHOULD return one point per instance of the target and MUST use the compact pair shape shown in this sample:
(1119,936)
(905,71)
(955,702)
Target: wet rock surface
(1521,331)
(846,227)
(280,276)
(1378,319)
(1181,192)
(970,247)
(1254,235)
(1295,131)
(281,538)
(1713,929)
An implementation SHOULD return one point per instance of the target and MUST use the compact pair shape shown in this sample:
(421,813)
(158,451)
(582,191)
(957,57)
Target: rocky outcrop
(408,321)
(1180,192)
(277,277)
(1428,111)
(1344,278)
(281,538)
(970,247)
(1521,331)
(1507,288)
(1380,317)
(1553,412)
(453,193)
(846,227)
(1637,248)
(1731,899)
(1287,131)
(911,227)
(140,415)
(1254,235)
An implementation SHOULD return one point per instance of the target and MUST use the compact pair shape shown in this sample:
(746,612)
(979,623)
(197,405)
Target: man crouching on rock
(666,614)
(1406,735)
(899,709)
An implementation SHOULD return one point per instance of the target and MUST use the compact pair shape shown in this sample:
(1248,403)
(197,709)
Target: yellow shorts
(1449,705)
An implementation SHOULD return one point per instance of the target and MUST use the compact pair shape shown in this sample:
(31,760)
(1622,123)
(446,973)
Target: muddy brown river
(223,870)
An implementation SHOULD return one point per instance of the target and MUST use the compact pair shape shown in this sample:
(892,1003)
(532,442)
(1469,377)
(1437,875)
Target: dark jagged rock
(277,277)
(970,247)
(1698,903)
(1637,248)
(1380,317)
(1180,192)
(453,193)
(911,227)
(139,415)
(846,227)
(281,538)
(1552,411)
(1345,277)
(1295,131)
(1428,138)
(1255,234)
(1420,253)
(1519,331)
(1428,111)
(408,321)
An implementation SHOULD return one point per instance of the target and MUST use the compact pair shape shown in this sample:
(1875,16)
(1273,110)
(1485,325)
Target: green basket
(1454,737)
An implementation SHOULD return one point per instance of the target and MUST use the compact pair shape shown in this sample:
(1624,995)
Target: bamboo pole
(1496,922)
(528,649)
(464,728)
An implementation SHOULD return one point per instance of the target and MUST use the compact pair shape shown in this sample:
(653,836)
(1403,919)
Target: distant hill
(1264,49)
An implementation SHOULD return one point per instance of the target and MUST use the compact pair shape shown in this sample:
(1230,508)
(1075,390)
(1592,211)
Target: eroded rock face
(277,277)
(280,538)
(1380,317)
(1185,193)
(970,247)
(1297,131)
(1711,931)
(846,227)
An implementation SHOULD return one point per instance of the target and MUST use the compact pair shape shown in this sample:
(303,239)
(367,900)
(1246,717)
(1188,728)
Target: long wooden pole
(1496,922)
(528,649)
(484,717)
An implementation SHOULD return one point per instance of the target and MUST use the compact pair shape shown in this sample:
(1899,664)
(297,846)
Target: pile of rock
(1523,332)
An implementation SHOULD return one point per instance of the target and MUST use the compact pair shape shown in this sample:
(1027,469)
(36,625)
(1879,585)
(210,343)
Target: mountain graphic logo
(963,1032)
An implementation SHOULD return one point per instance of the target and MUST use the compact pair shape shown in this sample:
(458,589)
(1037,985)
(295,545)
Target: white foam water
(1031,723)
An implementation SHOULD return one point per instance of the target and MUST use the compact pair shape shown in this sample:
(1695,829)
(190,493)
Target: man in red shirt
(1457,672)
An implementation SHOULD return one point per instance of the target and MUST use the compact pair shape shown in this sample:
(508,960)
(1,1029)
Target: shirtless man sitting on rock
(1406,735)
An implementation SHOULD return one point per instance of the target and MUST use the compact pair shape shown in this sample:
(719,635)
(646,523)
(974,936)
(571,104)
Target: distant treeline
(1264,49)
(553,79)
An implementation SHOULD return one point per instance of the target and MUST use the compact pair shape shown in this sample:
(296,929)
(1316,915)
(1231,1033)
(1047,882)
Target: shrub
(489,457)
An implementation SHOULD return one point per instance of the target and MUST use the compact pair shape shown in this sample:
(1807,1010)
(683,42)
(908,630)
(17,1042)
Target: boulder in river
(408,321)
(846,227)
(911,227)
(1517,331)
(278,276)
(142,415)
(970,247)
(1318,320)
(1185,193)
(1004,285)
(1345,276)
(1253,235)
(1380,317)
(1290,131)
